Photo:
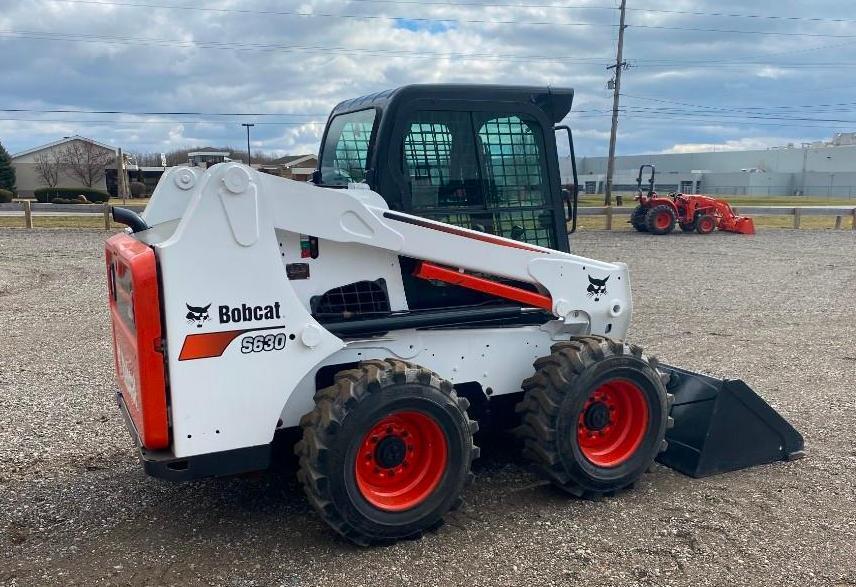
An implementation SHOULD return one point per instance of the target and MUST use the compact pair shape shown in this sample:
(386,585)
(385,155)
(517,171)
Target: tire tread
(332,405)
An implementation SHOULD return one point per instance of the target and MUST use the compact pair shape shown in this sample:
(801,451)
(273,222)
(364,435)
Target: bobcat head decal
(197,315)
(597,287)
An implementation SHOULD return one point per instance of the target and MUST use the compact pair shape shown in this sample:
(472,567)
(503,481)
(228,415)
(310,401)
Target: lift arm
(254,202)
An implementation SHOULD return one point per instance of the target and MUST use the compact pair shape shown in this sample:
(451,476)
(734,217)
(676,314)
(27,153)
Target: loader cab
(478,156)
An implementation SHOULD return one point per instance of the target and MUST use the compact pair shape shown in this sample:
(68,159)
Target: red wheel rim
(612,423)
(663,220)
(706,224)
(401,460)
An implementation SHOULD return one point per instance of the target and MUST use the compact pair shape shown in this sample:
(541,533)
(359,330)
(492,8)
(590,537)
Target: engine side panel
(498,359)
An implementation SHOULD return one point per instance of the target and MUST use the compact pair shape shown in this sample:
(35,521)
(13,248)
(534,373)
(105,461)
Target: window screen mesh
(440,161)
(480,170)
(531,226)
(513,162)
(362,297)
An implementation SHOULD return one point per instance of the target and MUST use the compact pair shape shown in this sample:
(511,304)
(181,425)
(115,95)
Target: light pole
(249,157)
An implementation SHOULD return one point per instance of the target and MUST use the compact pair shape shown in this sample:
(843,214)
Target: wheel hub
(596,416)
(612,423)
(390,452)
(401,460)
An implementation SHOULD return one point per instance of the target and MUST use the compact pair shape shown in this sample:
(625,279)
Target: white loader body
(229,241)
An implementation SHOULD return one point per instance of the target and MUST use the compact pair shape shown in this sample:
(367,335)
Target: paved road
(776,308)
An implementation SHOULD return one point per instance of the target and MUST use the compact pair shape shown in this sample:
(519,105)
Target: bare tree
(48,165)
(179,156)
(86,161)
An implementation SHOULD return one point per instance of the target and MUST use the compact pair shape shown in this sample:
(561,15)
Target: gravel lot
(776,309)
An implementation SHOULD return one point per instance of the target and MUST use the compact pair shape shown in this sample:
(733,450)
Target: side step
(722,425)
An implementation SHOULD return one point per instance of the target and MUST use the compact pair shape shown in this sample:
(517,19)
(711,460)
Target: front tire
(386,452)
(660,219)
(594,415)
(705,224)
(637,218)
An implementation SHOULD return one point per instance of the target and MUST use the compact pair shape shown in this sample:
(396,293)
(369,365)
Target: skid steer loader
(419,286)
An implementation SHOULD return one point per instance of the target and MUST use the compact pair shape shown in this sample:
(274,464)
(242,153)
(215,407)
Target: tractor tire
(705,224)
(688,226)
(594,415)
(637,218)
(386,452)
(660,219)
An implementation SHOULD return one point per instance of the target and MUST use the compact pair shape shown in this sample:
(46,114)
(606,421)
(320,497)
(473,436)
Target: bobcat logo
(197,315)
(597,287)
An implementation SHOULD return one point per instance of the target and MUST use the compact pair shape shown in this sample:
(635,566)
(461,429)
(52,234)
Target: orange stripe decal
(427,270)
(206,345)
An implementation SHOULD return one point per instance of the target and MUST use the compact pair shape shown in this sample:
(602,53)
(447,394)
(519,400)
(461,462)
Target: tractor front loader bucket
(740,224)
(722,425)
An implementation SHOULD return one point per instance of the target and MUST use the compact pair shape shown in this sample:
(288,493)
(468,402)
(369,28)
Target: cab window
(440,161)
(345,152)
(480,170)
(513,162)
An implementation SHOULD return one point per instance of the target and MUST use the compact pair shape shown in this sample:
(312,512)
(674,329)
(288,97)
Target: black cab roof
(554,102)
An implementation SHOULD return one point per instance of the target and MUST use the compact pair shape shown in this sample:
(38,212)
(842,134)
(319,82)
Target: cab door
(483,170)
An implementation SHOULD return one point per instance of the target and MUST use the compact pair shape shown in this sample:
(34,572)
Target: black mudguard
(722,425)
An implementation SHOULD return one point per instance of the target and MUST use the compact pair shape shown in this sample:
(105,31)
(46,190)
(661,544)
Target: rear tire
(386,452)
(594,415)
(637,218)
(705,224)
(660,219)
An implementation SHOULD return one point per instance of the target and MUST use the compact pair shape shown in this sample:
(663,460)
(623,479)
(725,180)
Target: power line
(488,5)
(131,113)
(262,47)
(386,53)
(740,31)
(702,121)
(739,115)
(139,122)
(734,64)
(491,5)
(752,16)
(739,108)
(451,20)
(695,119)
(671,120)
(332,15)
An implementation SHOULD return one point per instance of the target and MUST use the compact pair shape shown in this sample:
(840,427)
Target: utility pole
(249,157)
(620,65)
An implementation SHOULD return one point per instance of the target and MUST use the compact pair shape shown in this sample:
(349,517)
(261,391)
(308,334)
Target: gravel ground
(776,309)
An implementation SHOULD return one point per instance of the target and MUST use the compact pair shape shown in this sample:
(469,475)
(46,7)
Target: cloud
(743,144)
(263,57)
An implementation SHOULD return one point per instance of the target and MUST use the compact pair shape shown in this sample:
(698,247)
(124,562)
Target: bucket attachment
(722,425)
(740,224)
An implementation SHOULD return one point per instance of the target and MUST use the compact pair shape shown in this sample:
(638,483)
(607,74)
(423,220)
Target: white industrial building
(812,169)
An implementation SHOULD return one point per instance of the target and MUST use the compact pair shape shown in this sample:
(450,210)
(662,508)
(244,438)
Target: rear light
(132,284)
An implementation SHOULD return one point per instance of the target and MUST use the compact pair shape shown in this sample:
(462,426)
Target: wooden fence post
(837,222)
(853,224)
(609,218)
(107,217)
(28,214)
(797,216)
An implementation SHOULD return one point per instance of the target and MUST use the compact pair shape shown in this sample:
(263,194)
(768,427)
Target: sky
(704,74)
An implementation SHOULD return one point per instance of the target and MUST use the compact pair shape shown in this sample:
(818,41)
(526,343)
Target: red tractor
(658,215)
